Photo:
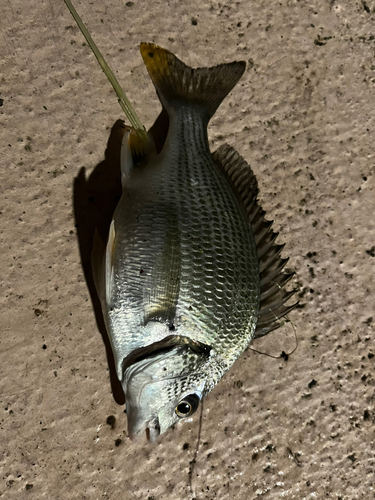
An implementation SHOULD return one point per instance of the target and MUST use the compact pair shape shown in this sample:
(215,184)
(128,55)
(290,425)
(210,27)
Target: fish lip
(152,428)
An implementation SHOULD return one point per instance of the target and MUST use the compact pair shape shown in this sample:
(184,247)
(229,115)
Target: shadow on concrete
(95,199)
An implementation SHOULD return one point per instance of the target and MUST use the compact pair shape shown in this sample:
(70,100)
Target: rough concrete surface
(303,117)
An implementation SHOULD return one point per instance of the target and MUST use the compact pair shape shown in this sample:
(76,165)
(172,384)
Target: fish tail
(175,82)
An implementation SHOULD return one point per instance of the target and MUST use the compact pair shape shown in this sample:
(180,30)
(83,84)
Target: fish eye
(187,406)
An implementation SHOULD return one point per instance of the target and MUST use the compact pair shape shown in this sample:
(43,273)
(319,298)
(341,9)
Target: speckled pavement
(303,116)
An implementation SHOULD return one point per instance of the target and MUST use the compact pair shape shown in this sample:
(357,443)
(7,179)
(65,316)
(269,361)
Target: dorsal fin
(272,278)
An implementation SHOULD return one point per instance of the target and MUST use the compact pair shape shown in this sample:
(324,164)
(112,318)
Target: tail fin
(176,82)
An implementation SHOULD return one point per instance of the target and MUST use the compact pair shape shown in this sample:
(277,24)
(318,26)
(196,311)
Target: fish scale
(234,263)
(219,284)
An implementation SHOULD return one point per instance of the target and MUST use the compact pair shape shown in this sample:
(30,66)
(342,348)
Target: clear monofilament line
(123,100)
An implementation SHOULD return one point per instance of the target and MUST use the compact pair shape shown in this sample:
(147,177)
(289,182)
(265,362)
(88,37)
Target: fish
(190,274)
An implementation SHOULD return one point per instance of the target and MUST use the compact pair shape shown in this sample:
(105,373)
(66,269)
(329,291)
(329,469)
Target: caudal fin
(175,82)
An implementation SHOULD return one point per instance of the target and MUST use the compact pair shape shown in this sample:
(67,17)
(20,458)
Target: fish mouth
(152,428)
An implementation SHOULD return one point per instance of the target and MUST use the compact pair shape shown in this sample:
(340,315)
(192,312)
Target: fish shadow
(94,199)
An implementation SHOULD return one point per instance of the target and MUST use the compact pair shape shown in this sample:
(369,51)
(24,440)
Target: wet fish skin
(180,283)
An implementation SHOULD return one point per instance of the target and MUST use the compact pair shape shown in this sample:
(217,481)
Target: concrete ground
(303,116)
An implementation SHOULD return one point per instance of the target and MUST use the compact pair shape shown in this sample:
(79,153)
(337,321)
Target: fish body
(181,279)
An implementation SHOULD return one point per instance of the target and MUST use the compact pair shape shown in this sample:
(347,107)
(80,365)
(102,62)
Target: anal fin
(136,148)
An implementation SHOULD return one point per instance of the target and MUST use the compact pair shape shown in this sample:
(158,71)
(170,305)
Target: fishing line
(194,461)
(123,100)
(283,354)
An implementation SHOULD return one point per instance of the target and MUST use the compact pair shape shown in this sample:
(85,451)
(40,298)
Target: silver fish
(190,273)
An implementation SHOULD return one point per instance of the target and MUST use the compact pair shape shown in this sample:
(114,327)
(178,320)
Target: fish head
(163,389)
